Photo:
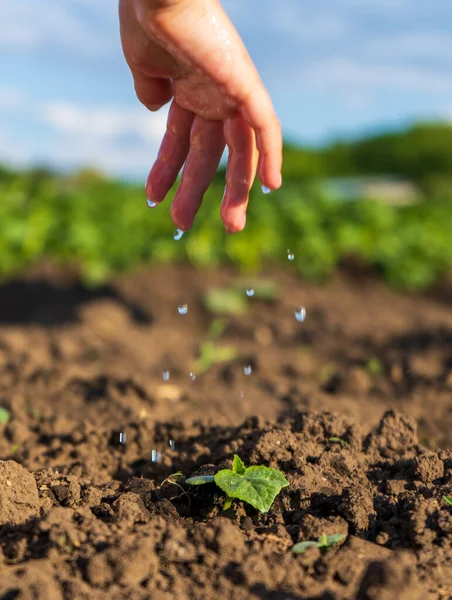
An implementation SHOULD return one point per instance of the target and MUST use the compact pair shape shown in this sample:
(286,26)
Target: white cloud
(349,75)
(104,122)
(28,25)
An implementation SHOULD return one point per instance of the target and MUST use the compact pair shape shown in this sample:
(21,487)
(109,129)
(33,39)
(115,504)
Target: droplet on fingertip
(151,203)
(178,234)
(265,190)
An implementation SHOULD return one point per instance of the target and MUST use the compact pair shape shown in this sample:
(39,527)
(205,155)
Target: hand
(189,51)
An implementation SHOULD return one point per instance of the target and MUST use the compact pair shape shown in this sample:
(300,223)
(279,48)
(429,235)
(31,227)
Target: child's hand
(188,50)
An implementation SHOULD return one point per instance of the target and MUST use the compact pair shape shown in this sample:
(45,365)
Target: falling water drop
(300,314)
(166,375)
(182,309)
(151,203)
(247,369)
(290,254)
(192,376)
(178,234)
(155,456)
(122,438)
(250,292)
(265,190)
(172,444)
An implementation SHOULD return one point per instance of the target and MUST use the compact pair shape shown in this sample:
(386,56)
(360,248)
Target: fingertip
(181,220)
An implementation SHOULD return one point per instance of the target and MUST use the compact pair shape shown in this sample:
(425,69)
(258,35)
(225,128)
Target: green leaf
(257,486)
(224,301)
(324,541)
(238,465)
(302,546)
(448,500)
(200,479)
(340,441)
(4,416)
(329,540)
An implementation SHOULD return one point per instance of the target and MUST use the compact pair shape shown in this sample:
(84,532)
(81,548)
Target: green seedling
(448,500)
(211,353)
(338,440)
(263,289)
(4,416)
(172,479)
(225,301)
(374,366)
(257,485)
(323,542)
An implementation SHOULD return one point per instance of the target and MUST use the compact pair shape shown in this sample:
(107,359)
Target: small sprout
(227,503)
(200,479)
(448,500)
(4,416)
(374,366)
(338,440)
(173,477)
(323,542)
(257,485)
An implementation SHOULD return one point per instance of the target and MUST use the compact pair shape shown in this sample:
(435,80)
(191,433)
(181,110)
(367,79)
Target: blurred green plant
(104,226)
(211,353)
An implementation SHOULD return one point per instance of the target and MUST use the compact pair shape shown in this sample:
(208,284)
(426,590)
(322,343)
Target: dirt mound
(92,433)
(133,532)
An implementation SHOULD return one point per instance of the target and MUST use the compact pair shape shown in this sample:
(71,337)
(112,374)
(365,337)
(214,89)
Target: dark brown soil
(84,516)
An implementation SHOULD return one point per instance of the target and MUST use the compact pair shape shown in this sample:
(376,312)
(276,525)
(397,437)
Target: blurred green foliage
(105,227)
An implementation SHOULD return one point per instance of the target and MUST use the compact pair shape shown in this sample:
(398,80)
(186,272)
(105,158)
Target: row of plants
(104,227)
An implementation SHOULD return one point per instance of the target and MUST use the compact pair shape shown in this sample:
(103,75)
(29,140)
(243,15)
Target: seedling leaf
(323,542)
(257,485)
(330,540)
(448,500)
(238,465)
(302,546)
(4,416)
(200,479)
(225,301)
(340,441)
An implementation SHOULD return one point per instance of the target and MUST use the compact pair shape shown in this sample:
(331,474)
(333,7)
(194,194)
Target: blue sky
(333,68)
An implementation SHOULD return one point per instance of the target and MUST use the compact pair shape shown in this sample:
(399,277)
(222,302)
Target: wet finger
(241,171)
(172,154)
(206,148)
(152,92)
(258,110)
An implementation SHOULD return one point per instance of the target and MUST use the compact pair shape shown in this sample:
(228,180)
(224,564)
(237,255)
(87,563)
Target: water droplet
(122,438)
(156,456)
(178,234)
(151,203)
(290,255)
(250,292)
(247,369)
(166,375)
(265,190)
(182,309)
(172,444)
(192,376)
(300,314)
